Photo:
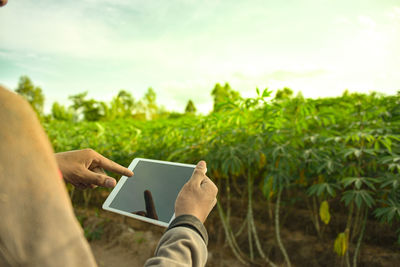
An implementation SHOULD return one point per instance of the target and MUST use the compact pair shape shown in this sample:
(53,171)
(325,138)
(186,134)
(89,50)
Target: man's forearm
(183,244)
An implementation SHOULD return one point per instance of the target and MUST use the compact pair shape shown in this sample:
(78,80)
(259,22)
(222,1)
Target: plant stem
(269,208)
(251,225)
(250,213)
(241,228)
(347,232)
(312,217)
(250,242)
(357,224)
(364,223)
(277,232)
(258,245)
(347,255)
(87,195)
(228,192)
(315,212)
(236,251)
(236,187)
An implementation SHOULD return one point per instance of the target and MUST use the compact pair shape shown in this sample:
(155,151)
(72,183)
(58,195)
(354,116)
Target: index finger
(110,165)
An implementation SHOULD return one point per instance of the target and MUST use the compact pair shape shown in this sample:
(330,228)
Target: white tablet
(150,194)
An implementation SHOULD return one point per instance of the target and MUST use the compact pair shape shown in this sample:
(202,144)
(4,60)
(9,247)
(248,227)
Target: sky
(181,48)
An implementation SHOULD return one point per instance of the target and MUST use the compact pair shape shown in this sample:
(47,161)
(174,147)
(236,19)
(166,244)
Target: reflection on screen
(152,191)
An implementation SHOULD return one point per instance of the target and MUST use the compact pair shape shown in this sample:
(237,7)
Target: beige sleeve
(38,226)
(180,246)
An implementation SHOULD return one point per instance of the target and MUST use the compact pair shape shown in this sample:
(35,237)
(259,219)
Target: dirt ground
(120,241)
(114,256)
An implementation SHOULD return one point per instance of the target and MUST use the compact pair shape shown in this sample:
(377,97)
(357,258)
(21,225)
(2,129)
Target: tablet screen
(153,189)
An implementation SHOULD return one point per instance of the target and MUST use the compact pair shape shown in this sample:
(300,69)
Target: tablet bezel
(114,192)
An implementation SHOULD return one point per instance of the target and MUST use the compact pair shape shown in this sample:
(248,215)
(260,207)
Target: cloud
(367,22)
(341,20)
(394,14)
(283,75)
(120,29)
(174,94)
(49,31)
(38,69)
(183,47)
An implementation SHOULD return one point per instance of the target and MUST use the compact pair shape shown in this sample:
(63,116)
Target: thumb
(201,166)
(199,172)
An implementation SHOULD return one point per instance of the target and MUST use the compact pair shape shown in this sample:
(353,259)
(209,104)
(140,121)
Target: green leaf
(324,212)
(358,200)
(266,93)
(393,181)
(358,183)
(387,143)
(319,189)
(359,197)
(387,214)
(341,244)
(267,188)
(376,146)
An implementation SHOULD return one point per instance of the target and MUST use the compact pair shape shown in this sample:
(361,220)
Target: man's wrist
(192,222)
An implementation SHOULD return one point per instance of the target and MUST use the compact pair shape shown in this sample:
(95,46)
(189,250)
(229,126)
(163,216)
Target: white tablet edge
(114,192)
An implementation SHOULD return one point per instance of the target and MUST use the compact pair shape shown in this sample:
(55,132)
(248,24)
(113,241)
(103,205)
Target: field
(301,182)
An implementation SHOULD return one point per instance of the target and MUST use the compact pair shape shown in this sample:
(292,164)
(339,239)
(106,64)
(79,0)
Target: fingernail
(201,164)
(109,183)
(130,173)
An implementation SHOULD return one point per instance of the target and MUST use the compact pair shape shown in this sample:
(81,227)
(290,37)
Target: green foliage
(344,149)
(359,197)
(323,188)
(223,94)
(190,108)
(149,103)
(284,93)
(59,112)
(92,110)
(33,94)
(358,182)
(92,231)
(390,212)
(122,106)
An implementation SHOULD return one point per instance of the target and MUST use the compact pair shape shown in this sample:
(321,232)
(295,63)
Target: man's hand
(198,196)
(85,168)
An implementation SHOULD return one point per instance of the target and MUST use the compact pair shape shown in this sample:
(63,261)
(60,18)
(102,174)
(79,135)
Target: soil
(120,241)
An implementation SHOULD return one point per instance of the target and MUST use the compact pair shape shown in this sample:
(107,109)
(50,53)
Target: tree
(122,105)
(284,93)
(33,94)
(150,98)
(59,112)
(78,100)
(223,94)
(150,102)
(127,100)
(190,108)
(92,110)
